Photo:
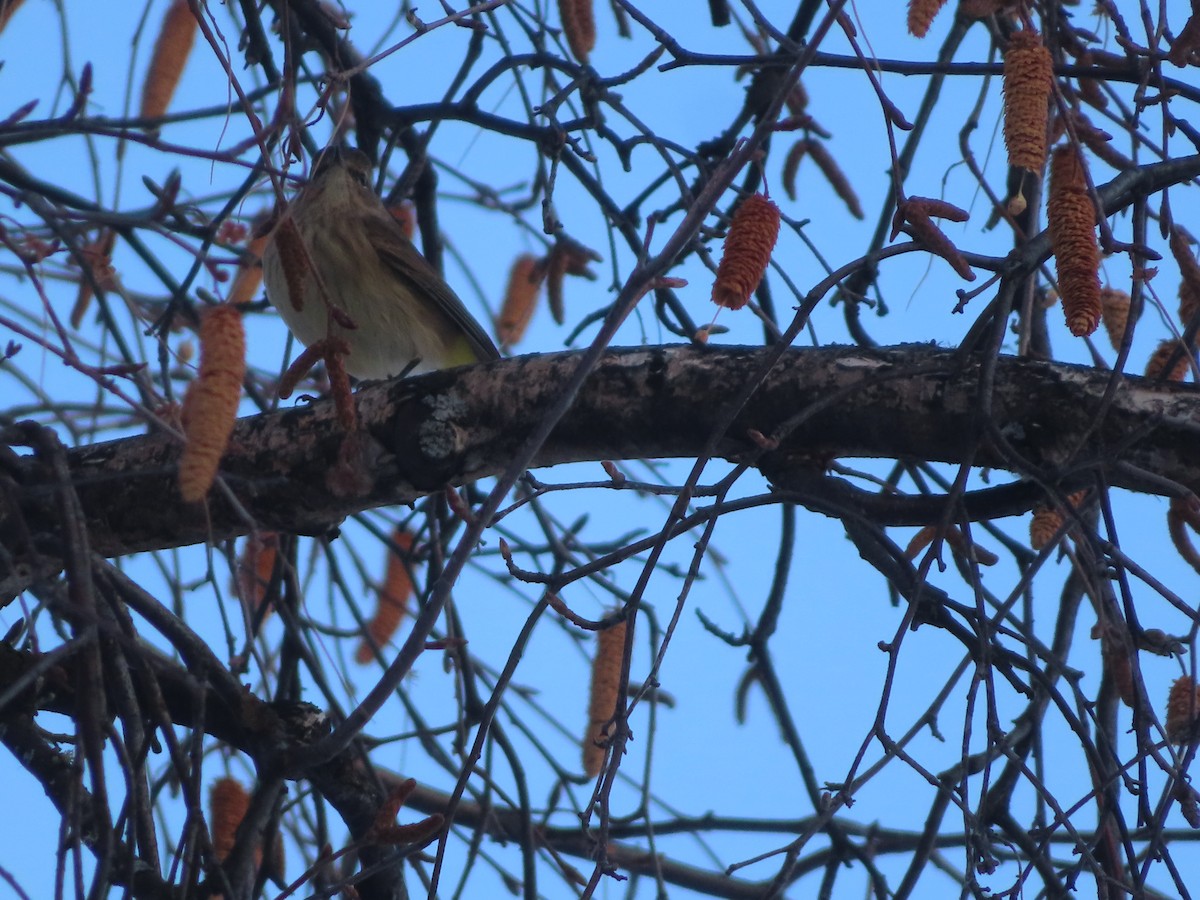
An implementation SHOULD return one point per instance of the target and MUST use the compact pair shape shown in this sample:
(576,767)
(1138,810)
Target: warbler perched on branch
(339,268)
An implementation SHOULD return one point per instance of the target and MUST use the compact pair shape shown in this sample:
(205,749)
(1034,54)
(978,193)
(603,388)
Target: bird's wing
(403,259)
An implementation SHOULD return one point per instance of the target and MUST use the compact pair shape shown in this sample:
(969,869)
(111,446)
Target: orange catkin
(520,299)
(170,55)
(210,407)
(602,705)
(1189,277)
(1170,349)
(920,15)
(752,235)
(1047,520)
(1115,304)
(227,805)
(1183,710)
(397,588)
(579,25)
(249,274)
(1072,220)
(255,567)
(1028,78)
(836,177)
(7,8)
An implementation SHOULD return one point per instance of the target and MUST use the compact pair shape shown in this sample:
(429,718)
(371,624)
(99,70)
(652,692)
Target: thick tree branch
(297,471)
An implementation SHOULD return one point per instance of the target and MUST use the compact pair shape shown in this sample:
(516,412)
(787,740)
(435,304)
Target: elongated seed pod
(1161,358)
(293,258)
(1072,220)
(1119,666)
(1047,520)
(1183,710)
(836,177)
(249,274)
(393,595)
(935,241)
(791,165)
(170,55)
(210,407)
(1189,277)
(7,8)
(1028,78)
(1188,40)
(97,257)
(520,299)
(227,805)
(921,14)
(752,235)
(602,705)
(255,567)
(1115,306)
(579,25)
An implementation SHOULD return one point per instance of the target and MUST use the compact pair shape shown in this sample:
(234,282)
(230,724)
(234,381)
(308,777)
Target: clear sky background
(837,609)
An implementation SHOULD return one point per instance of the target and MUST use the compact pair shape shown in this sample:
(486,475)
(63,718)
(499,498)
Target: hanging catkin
(1183,709)
(1115,305)
(520,299)
(1072,220)
(602,704)
(210,407)
(920,15)
(393,596)
(170,55)
(752,235)
(1028,77)
(579,25)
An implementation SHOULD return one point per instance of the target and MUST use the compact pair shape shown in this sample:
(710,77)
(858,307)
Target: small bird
(404,315)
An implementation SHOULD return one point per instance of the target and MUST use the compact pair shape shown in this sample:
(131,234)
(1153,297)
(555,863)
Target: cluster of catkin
(525,280)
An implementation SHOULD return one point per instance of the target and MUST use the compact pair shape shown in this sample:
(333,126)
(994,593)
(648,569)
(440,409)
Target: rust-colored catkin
(1119,666)
(1028,78)
(579,25)
(1047,520)
(1160,359)
(393,595)
(210,407)
(293,257)
(405,214)
(249,274)
(1072,220)
(255,567)
(602,705)
(227,805)
(752,235)
(836,177)
(7,8)
(1115,306)
(96,257)
(791,165)
(1183,710)
(921,14)
(520,299)
(1189,277)
(170,55)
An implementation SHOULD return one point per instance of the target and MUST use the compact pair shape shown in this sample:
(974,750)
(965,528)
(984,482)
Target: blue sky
(836,612)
